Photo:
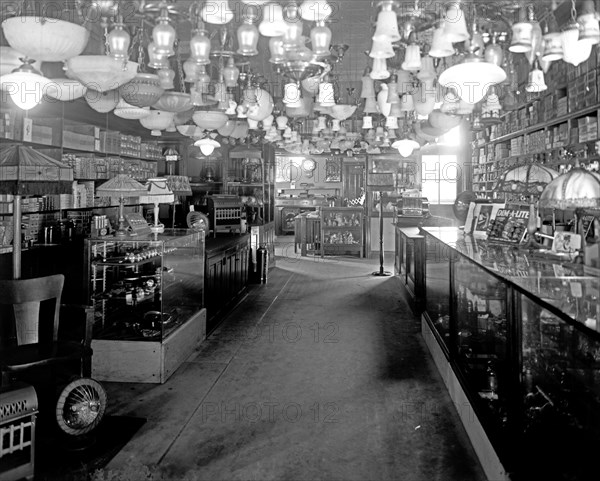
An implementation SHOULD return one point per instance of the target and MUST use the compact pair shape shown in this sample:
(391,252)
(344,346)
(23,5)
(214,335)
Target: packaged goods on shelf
(6,231)
(7,125)
(110,142)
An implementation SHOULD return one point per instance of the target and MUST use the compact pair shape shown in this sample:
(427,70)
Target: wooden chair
(29,329)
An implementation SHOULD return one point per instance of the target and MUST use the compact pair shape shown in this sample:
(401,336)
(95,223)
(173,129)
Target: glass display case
(149,290)
(408,263)
(522,349)
(342,230)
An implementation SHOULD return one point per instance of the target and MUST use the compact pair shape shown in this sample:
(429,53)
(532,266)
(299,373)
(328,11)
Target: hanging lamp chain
(141,55)
(573,11)
(179,65)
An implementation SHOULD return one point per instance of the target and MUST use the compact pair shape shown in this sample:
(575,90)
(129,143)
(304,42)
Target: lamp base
(382,273)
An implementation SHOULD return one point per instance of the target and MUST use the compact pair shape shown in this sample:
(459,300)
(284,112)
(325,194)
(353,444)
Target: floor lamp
(380,182)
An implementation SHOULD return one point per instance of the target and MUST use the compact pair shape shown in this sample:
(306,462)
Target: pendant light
(272,24)
(231,74)
(207,146)
(427,71)
(493,52)
(589,29)
(155,60)
(392,95)
(315,10)
(367,122)
(200,46)
(247,34)
(163,35)
(326,93)
(441,46)
(536,82)
(216,12)
(412,58)
(291,95)
(368,85)
(294,26)
(371,106)
(522,37)
(25,85)
(553,47)
(166,77)
(277,50)
(455,24)
(382,48)
(379,71)
(387,23)
(320,38)
(118,40)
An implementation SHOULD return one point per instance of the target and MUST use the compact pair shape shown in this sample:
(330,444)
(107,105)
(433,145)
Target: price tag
(576,289)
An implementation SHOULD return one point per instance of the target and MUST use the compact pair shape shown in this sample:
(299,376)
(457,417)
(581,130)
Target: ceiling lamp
(174,102)
(493,52)
(200,46)
(392,95)
(589,29)
(326,93)
(45,39)
(387,23)
(406,146)
(272,24)
(25,85)
(10,59)
(576,189)
(277,50)
(382,48)
(441,46)
(315,10)
(371,106)
(424,99)
(455,24)
(342,112)
(291,95)
(427,72)
(553,48)
(100,72)
(231,74)
(163,35)
(536,82)
(143,90)
(293,31)
(379,71)
(320,38)
(166,76)
(412,58)
(472,77)
(155,60)
(522,37)
(118,40)
(368,85)
(216,12)
(209,120)
(130,112)
(157,120)
(247,34)
(65,89)
(207,146)
(574,50)
(102,102)
(382,103)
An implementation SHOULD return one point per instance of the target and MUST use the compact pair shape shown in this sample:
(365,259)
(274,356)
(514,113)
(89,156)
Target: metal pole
(17,237)
(381,271)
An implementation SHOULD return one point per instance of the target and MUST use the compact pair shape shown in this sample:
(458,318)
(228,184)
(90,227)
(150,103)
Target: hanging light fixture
(382,48)
(207,146)
(231,74)
(589,29)
(427,72)
(379,71)
(163,35)
(441,46)
(200,46)
(387,23)
(277,50)
(293,32)
(118,40)
(292,96)
(25,85)
(247,34)
(455,24)
(320,38)
(574,50)
(522,36)
(166,77)
(216,12)
(472,77)
(406,146)
(493,52)
(536,82)
(272,24)
(315,10)
(326,93)
(412,57)
(368,85)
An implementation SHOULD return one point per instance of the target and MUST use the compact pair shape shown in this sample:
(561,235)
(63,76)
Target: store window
(439,177)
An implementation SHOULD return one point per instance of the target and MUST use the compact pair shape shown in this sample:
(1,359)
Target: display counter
(516,338)
(226,274)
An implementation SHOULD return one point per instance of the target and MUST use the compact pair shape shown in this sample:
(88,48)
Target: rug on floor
(56,461)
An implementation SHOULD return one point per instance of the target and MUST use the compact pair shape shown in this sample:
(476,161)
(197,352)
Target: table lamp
(120,187)
(180,186)
(158,193)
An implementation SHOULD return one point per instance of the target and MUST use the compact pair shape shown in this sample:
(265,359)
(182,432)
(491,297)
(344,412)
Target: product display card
(470,218)
(510,225)
(484,216)
(566,242)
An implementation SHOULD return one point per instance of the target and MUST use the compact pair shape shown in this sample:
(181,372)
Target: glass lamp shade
(589,29)
(200,48)
(272,24)
(292,36)
(291,95)
(326,94)
(247,35)
(392,97)
(576,189)
(455,24)
(227,128)
(158,192)
(553,49)
(472,78)
(102,102)
(424,99)
(172,101)
(207,146)
(522,37)
(320,37)
(191,70)
(321,123)
(231,74)
(412,58)
(407,103)
(406,146)
(536,82)
(367,122)
(166,77)
(130,112)
(396,110)
(427,72)
(382,104)
(379,71)
(371,106)
(209,120)
(155,60)
(277,50)
(100,72)
(405,83)
(368,87)
(25,85)
(267,122)
(387,24)
(494,54)
(391,122)
(216,12)
(450,103)
(382,48)
(118,42)
(163,36)
(335,125)
(569,37)
(281,122)
(143,91)
(441,46)
(315,10)
(65,89)
(157,120)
